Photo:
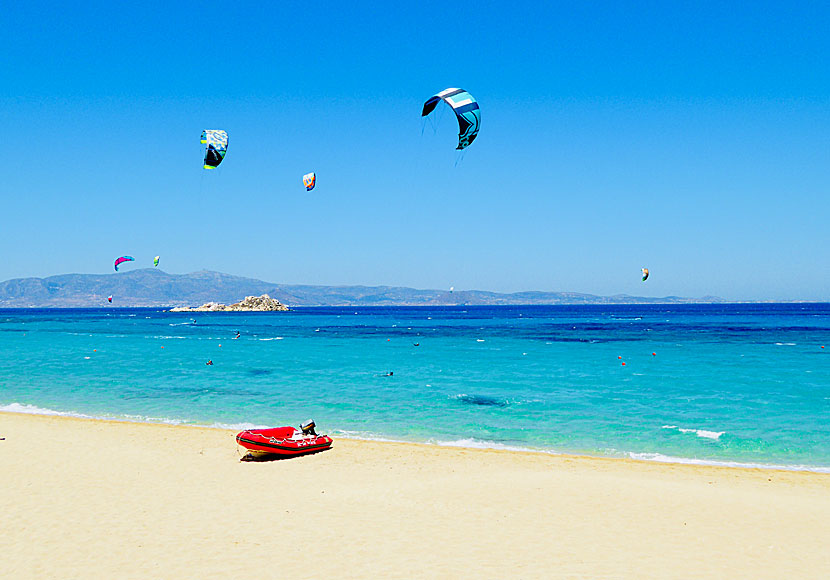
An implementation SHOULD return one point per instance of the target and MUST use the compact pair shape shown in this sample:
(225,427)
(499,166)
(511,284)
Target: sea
(721,384)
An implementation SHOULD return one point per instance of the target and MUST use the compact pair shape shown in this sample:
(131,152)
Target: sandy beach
(103,499)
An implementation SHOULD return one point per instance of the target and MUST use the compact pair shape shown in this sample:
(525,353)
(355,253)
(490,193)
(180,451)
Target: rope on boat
(275,441)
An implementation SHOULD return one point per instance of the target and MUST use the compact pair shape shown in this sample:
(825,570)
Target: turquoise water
(734,384)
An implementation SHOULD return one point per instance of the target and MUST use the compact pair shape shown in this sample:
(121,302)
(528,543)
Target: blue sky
(693,139)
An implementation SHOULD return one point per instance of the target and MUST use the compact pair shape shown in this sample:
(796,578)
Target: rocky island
(262,303)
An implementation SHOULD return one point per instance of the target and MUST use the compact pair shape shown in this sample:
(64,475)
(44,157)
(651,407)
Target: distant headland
(154,288)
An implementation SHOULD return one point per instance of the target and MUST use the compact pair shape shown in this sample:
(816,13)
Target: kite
(123,259)
(156,262)
(309,180)
(217,146)
(645,274)
(466,110)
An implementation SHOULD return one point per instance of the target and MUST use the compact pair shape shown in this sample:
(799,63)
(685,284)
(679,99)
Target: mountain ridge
(150,287)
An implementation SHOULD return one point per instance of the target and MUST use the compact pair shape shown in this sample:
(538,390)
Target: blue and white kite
(466,110)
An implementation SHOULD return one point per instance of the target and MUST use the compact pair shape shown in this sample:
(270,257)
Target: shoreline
(172,307)
(657,458)
(96,498)
(425,447)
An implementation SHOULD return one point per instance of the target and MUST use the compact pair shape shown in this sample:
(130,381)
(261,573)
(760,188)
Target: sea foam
(660,458)
(715,435)
(35,410)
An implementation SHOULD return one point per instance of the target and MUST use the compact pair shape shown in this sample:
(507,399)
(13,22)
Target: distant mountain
(156,288)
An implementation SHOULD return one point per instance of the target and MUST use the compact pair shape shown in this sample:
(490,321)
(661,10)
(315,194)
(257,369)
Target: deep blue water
(747,383)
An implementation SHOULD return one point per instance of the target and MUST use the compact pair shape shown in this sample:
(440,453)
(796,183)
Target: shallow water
(734,384)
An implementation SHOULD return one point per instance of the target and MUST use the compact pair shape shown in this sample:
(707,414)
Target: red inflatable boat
(283,441)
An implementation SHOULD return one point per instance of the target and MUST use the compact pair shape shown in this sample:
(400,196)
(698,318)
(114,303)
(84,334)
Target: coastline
(467,444)
(179,307)
(98,498)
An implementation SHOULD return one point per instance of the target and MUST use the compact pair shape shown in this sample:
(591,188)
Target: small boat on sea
(282,442)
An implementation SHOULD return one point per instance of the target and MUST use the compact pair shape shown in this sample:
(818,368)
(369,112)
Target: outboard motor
(308,427)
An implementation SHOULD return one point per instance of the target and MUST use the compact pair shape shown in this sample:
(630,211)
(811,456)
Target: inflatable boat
(282,441)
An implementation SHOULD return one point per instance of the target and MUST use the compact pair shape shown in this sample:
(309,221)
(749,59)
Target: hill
(156,288)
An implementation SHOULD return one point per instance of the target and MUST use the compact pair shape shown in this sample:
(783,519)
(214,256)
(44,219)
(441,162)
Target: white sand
(101,499)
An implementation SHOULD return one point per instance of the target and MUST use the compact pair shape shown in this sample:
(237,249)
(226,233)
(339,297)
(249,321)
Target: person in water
(209,363)
(237,334)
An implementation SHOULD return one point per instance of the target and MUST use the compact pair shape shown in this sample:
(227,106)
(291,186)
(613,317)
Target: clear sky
(690,138)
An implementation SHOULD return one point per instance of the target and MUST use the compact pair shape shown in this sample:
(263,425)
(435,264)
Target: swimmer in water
(389,374)
(209,363)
